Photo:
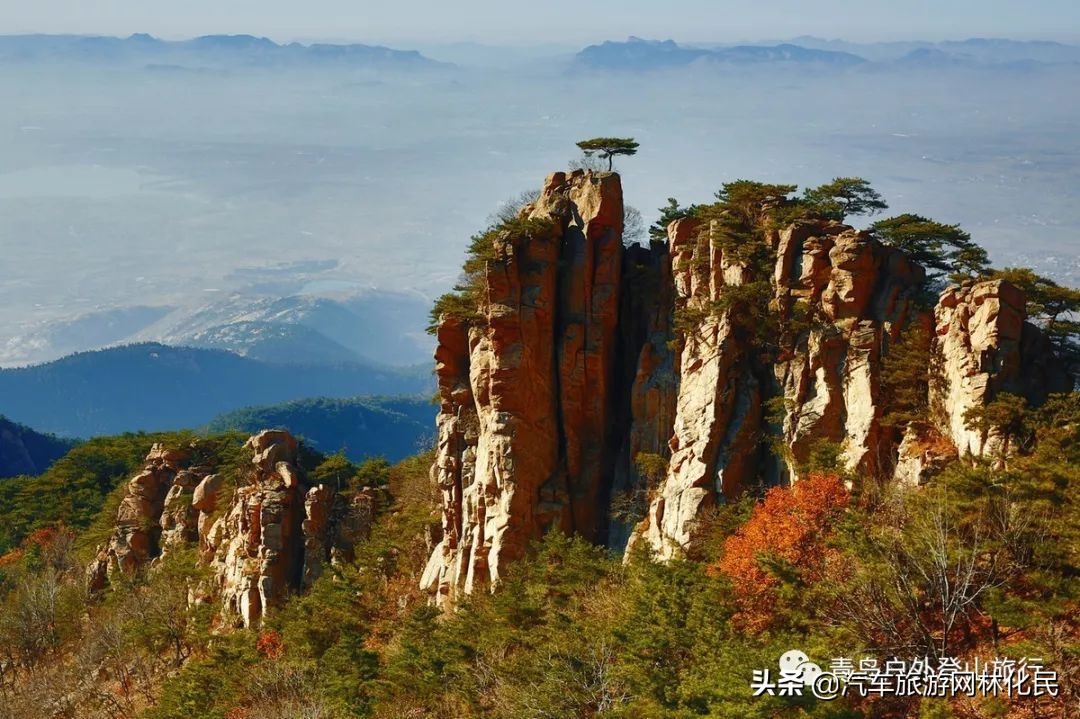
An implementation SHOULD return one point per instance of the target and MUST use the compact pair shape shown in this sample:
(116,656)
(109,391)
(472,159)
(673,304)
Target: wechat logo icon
(795,666)
(797,674)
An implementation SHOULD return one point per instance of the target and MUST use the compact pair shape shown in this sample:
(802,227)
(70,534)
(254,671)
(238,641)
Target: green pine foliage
(908,370)
(608,147)
(74,489)
(843,197)
(668,214)
(465,301)
(984,559)
(944,251)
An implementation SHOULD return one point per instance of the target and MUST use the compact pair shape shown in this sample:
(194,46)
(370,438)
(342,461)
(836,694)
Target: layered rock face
(257,547)
(525,428)
(136,538)
(987,347)
(585,355)
(860,295)
(855,296)
(268,536)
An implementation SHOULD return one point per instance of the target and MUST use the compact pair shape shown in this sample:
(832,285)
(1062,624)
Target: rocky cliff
(986,346)
(525,428)
(262,534)
(854,296)
(581,357)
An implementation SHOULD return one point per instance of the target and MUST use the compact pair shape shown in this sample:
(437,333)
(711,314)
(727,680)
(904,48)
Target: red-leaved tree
(783,542)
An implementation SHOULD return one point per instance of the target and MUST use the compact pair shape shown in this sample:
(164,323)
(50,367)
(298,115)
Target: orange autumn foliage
(42,540)
(789,526)
(270,644)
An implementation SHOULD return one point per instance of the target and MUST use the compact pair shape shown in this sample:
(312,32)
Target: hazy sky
(501,21)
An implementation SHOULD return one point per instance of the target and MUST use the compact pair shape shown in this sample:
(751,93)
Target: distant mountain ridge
(977,49)
(204,50)
(153,387)
(25,451)
(639,54)
(636,54)
(374,326)
(390,427)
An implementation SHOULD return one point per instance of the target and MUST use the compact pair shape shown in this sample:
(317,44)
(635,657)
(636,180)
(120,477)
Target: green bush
(466,299)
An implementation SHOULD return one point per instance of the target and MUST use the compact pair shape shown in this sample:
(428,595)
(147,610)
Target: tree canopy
(843,197)
(668,214)
(751,202)
(608,147)
(941,249)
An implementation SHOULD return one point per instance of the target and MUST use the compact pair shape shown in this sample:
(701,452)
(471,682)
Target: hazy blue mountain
(209,50)
(391,427)
(933,57)
(372,326)
(482,55)
(156,387)
(381,327)
(275,342)
(638,55)
(24,451)
(973,50)
(783,53)
(91,330)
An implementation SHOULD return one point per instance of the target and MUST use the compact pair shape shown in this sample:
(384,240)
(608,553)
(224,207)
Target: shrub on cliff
(465,300)
(944,251)
(608,147)
(844,197)
(668,214)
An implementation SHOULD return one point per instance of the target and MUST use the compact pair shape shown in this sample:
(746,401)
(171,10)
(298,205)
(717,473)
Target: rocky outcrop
(987,347)
(526,396)
(278,531)
(204,500)
(839,297)
(857,295)
(179,517)
(257,545)
(262,533)
(922,453)
(136,538)
(978,336)
(718,403)
(647,366)
(729,366)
